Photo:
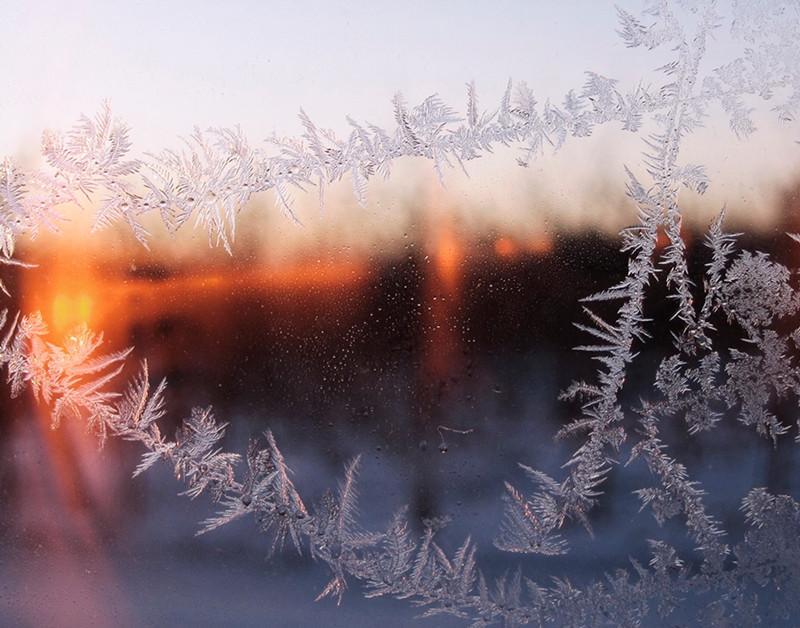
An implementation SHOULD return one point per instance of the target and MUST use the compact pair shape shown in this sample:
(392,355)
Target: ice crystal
(528,525)
(336,537)
(757,291)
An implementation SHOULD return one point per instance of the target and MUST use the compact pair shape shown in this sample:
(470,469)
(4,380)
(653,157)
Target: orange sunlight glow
(442,298)
(75,487)
(505,247)
(69,311)
(448,256)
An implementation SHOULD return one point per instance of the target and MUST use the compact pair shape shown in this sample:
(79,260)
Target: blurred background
(339,353)
(384,330)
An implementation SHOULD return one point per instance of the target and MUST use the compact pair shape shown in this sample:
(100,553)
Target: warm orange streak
(442,298)
(448,257)
(112,301)
(294,278)
(505,247)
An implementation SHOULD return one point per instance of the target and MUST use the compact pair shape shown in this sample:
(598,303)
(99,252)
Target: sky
(167,66)
(170,65)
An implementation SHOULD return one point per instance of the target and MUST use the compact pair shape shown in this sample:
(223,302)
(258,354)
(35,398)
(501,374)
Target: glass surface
(423,323)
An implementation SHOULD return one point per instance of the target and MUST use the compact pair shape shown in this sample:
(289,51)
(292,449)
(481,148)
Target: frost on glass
(700,384)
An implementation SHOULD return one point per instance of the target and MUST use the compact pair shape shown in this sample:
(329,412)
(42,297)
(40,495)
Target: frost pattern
(391,562)
(699,383)
(214,175)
